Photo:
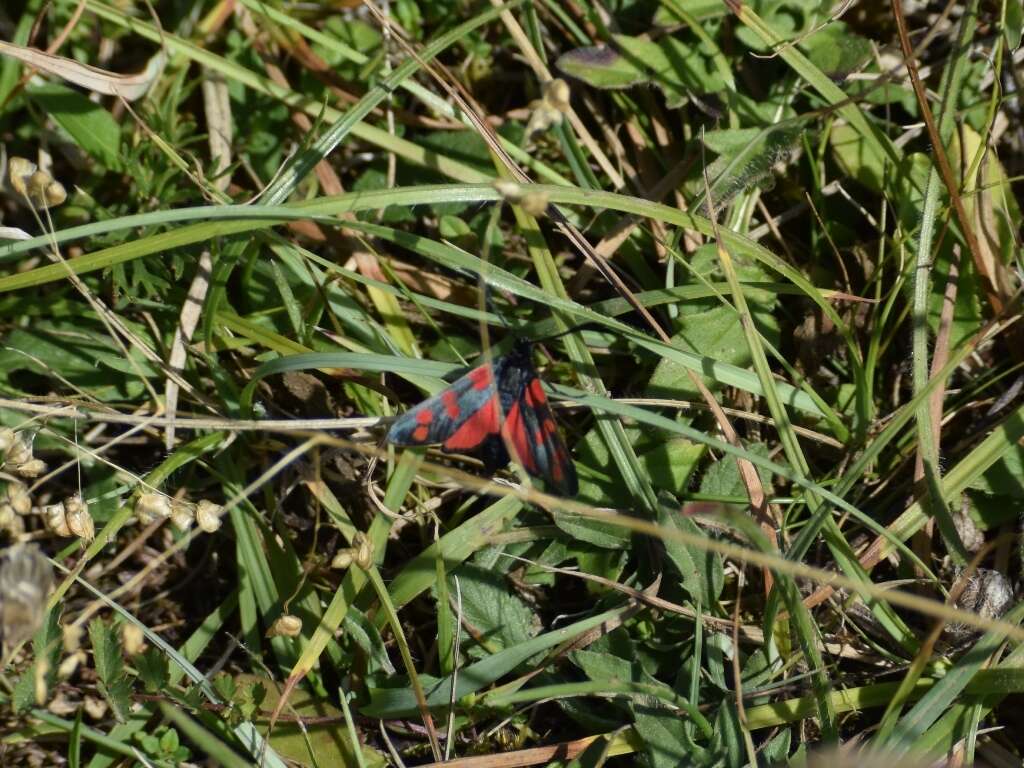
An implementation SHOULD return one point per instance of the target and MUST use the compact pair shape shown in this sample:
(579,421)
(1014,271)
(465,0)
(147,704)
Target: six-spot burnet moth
(494,406)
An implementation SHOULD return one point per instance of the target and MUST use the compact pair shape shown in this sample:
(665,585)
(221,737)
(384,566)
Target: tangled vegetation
(761,259)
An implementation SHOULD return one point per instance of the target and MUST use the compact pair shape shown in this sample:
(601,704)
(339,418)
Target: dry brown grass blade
(561,753)
(128,87)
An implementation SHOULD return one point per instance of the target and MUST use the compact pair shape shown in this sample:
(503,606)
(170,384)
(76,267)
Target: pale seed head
(152,506)
(55,519)
(286,625)
(208,516)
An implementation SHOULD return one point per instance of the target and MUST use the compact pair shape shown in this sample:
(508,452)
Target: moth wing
(460,416)
(532,432)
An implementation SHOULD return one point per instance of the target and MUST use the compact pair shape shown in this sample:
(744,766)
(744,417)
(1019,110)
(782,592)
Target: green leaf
(1014,23)
(502,619)
(677,67)
(729,734)
(601,67)
(1006,476)
(153,669)
(606,667)
(666,743)
(746,157)
(722,478)
(702,571)
(46,643)
(787,18)
(777,749)
(117,696)
(106,651)
(715,334)
(88,360)
(606,563)
(88,124)
(595,532)
(75,741)
(836,50)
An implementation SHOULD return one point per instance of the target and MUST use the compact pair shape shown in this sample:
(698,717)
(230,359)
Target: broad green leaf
(606,563)
(153,669)
(501,618)
(675,66)
(716,334)
(88,124)
(666,742)
(106,651)
(601,67)
(788,19)
(722,478)
(857,157)
(702,571)
(1005,477)
(83,357)
(746,157)
(837,51)
(604,666)
(729,733)
(47,646)
(1014,23)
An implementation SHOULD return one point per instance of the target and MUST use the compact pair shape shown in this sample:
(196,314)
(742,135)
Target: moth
(494,406)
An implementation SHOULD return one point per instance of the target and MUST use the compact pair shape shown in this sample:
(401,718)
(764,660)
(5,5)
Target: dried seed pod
(31,468)
(30,181)
(286,625)
(79,520)
(71,636)
(55,519)
(363,550)
(19,171)
(342,559)
(70,664)
(534,203)
(542,118)
(26,580)
(208,516)
(182,516)
(132,638)
(20,450)
(16,529)
(7,515)
(550,109)
(41,669)
(152,506)
(556,94)
(18,497)
(45,191)
(94,708)
(7,437)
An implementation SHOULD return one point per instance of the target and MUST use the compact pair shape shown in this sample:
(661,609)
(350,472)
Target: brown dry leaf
(128,87)
(431,284)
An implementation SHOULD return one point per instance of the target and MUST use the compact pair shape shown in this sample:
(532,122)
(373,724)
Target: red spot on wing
(549,426)
(538,437)
(556,469)
(473,430)
(420,433)
(451,403)
(515,432)
(425,416)
(481,377)
(535,394)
